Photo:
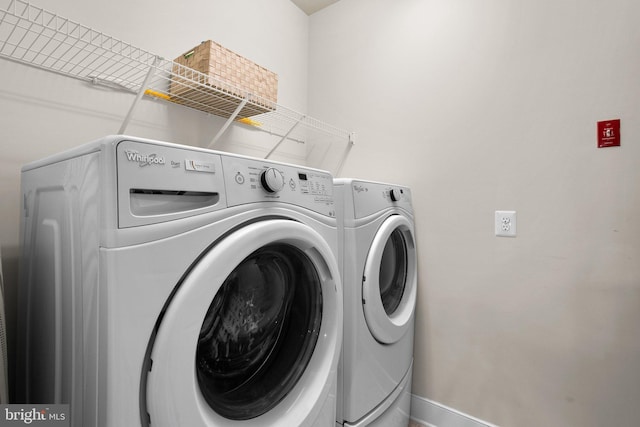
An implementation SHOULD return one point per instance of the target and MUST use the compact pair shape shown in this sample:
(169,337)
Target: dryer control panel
(371,197)
(251,180)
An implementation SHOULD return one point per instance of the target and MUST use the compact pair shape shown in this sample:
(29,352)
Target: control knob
(272,180)
(395,194)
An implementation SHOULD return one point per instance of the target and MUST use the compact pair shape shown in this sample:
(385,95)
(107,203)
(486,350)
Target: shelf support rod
(275,147)
(143,86)
(230,120)
(347,149)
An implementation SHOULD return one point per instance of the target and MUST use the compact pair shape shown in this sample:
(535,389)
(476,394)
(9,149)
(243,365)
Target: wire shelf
(37,37)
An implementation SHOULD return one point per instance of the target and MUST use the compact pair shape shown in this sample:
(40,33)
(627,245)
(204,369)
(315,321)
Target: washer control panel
(251,180)
(159,182)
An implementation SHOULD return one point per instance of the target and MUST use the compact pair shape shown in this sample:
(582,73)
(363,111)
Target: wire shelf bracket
(230,120)
(284,137)
(138,97)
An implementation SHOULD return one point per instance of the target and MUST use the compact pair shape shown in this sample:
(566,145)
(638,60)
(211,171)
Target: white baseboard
(434,414)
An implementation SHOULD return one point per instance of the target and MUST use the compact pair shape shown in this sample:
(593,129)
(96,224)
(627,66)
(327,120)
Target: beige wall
(478,106)
(492,105)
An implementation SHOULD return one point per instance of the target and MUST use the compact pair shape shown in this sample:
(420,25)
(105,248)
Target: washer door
(251,335)
(390,280)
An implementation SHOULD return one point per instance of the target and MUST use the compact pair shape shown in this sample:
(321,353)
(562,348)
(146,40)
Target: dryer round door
(251,335)
(390,280)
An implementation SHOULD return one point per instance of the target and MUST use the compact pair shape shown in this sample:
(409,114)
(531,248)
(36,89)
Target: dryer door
(251,335)
(390,280)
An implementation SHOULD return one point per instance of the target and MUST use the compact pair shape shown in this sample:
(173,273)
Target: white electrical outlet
(505,223)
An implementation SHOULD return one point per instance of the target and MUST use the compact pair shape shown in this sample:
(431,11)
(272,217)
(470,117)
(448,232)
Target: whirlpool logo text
(41,416)
(144,159)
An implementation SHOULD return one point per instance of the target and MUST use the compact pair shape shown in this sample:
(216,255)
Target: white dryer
(379,276)
(165,286)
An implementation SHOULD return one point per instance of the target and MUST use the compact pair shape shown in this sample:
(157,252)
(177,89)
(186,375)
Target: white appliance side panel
(4,375)
(60,233)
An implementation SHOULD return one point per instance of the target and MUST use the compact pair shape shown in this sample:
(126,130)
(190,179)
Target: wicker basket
(228,79)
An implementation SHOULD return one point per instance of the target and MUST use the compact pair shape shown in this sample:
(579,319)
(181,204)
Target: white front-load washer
(170,286)
(379,276)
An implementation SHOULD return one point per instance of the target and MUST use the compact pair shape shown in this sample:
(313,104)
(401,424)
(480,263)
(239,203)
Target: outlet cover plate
(505,223)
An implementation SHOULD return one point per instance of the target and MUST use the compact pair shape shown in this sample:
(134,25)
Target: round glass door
(259,332)
(390,280)
(250,335)
(393,271)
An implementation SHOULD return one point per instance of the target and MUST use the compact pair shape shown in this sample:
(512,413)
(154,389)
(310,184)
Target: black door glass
(393,272)
(260,332)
